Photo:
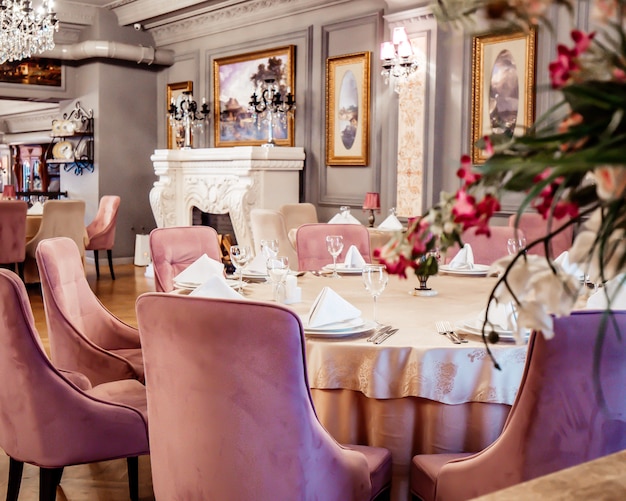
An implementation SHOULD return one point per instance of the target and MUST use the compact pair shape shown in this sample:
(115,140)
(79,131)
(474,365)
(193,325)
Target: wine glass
(240,256)
(334,244)
(515,245)
(269,248)
(375,279)
(277,271)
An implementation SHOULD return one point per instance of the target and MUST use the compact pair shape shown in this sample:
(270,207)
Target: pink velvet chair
(311,243)
(84,335)
(13,234)
(101,231)
(176,247)
(557,419)
(534,226)
(231,414)
(486,249)
(52,418)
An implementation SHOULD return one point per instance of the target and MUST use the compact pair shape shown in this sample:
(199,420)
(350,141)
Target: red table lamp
(371,203)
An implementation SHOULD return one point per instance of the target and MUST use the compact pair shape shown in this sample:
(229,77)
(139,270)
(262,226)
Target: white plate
(338,326)
(475,327)
(195,285)
(342,268)
(478,270)
(365,327)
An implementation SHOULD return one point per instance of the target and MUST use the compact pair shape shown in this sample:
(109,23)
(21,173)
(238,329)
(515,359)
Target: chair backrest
(486,249)
(268,224)
(298,214)
(311,243)
(46,420)
(61,218)
(73,311)
(176,247)
(12,231)
(101,231)
(240,393)
(534,226)
(564,413)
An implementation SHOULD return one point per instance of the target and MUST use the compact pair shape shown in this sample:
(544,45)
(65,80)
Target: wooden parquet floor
(104,481)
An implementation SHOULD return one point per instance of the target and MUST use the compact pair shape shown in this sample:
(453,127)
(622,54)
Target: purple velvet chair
(534,226)
(311,243)
(558,418)
(486,249)
(101,231)
(13,233)
(231,414)
(84,335)
(176,247)
(52,418)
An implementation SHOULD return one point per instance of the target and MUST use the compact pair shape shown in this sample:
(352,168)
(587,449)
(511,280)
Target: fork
(379,331)
(449,328)
(387,334)
(441,329)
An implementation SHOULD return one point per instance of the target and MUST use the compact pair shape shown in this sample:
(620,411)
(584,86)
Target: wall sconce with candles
(184,112)
(371,203)
(270,102)
(397,58)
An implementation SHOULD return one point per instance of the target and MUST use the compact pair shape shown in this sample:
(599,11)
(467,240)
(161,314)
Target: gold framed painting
(348,109)
(235,80)
(176,135)
(503,85)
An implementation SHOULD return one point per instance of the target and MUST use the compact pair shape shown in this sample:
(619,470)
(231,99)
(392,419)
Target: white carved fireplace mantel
(224,181)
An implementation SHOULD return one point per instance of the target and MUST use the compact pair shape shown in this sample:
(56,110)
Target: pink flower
(465,171)
(464,209)
(582,41)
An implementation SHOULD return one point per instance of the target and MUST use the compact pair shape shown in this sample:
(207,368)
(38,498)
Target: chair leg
(49,480)
(110,257)
(15,479)
(133,477)
(95,258)
(20,270)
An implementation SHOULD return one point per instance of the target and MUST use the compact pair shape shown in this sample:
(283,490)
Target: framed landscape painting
(235,80)
(347,109)
(503,85)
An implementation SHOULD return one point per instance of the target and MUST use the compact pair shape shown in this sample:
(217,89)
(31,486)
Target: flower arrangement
(570,165)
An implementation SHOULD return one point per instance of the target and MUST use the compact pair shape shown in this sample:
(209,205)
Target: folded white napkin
(614,291)
(570,268)
(216,287)
(344,218)
(464,259)
(200,270)
(391,223)
(501,316)
(258,265)
(354,258)
(36,209)
(329,308)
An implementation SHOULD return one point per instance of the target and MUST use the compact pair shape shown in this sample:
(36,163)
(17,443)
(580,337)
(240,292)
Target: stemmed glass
(240,256)
(277,271)
(514,245)
(334,244)
(375,279)
(269,248)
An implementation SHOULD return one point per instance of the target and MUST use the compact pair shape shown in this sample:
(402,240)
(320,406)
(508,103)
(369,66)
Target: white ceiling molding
(138,11)
(252,12)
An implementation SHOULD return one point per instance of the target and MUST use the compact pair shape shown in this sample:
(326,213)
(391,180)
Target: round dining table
(416,392)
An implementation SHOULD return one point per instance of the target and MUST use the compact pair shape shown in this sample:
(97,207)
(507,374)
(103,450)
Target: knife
(378,332)
(387,334)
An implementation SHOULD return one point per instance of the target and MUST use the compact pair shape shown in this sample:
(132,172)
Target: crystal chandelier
(397,58)
(25,31)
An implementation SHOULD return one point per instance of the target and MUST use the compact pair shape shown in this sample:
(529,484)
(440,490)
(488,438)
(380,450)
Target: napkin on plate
(36,209)
(200,271)
(570,268)
(614,291)
(464,259)
(391,223)
(501,316)
(344,218)
(258,265)
(330,308)
(216,287)
(354,258)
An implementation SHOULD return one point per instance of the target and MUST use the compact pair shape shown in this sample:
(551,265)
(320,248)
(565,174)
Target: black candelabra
(184,112)
(270,102)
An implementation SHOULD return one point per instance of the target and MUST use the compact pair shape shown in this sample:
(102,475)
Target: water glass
(375,278)
(240,255)
(269,248)
(277,271)
(515,245)
(334,244)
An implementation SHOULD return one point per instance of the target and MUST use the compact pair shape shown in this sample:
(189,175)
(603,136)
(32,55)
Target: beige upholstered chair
(61,218)
(295,216)
(268,224)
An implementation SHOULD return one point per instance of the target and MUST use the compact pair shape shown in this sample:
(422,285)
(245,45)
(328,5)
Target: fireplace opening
(225,232)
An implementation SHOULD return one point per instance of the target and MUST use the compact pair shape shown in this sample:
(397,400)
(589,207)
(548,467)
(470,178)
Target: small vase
(423,289)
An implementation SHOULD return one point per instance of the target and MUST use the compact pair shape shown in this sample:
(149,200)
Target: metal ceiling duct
(112,50)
